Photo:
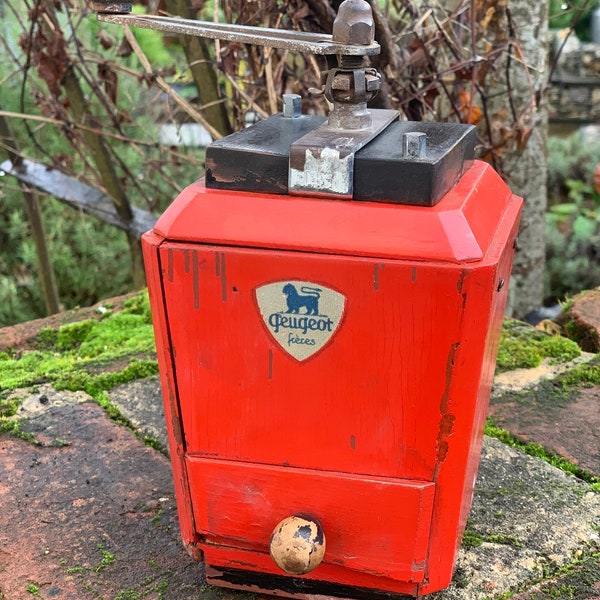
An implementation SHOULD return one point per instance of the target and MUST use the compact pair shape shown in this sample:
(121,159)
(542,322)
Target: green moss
(8,406)
(122,333)
(97,385)
(47,338)
(94,385)
(63,355)
(72,335)
(138,305)
(13,426)
(505,540)
(130,594)
(574,580)
(33,367)
(8,409)
(522,346)
(108,558)
(539,451)
(471,539)
(33,589)
(137,369)
(75,357)
(583,374)
(153,443)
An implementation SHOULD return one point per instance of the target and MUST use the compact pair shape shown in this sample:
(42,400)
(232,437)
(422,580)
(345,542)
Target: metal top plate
(256,159)
(322,161)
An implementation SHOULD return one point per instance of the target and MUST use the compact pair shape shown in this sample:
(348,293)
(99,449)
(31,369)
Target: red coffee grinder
(327,304)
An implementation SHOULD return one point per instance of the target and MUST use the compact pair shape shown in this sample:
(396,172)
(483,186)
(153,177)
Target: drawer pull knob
(298,544)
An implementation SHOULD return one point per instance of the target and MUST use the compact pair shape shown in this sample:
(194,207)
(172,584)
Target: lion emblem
(309,299)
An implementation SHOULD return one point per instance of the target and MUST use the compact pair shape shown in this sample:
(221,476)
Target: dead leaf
(110,81)
(124,50)
(597,179)
(470,113)
(463,72)
(490,12)
(105,41)
(518,52)
(523,135)
(48,54)
(63,160)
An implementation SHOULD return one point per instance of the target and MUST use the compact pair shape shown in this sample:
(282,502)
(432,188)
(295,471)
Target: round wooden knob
(298,545)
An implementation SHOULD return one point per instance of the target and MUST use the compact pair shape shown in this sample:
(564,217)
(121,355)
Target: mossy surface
(473,539)
(523,346)
(82,356)
(586,374)
(550,397)
(537,450)
(575,581)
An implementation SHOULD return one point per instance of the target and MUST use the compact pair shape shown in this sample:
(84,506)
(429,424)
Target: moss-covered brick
(92,356)
(523,346)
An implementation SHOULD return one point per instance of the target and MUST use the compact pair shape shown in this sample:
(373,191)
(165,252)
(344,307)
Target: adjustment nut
(292,106)
(297,545)
(354,23)
(414,144)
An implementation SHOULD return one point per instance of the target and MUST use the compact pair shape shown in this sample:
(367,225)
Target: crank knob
(298,545)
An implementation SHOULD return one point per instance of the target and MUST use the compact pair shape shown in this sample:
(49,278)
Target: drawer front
(373,525)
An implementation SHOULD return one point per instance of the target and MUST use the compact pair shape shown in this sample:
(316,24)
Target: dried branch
(34,216)
(201,63)
(165,87)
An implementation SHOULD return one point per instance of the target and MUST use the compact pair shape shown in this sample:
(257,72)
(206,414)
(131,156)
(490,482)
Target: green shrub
(91,260)
(563,14)
(573,218)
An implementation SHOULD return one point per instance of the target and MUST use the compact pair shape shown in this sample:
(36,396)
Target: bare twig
(475,66)
(165,87)
(251,102)
(36,223)
(74,126)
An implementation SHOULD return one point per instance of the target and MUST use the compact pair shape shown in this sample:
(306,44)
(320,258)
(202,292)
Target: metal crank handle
(298,41)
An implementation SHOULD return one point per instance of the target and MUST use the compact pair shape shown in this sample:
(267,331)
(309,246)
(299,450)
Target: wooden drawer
(373,525)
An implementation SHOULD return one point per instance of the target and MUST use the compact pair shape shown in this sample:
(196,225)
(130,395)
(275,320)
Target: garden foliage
(573,217)
(88,100)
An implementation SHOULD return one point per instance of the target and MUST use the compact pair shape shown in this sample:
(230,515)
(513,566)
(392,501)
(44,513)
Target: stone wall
(574,93)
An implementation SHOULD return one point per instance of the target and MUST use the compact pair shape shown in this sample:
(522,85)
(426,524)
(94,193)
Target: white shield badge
(300,315)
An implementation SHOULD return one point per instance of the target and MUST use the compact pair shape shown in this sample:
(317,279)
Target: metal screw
(414,144)
(292,106)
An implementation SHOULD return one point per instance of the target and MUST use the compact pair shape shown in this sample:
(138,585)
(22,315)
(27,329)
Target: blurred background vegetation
(91,259)
(53,54)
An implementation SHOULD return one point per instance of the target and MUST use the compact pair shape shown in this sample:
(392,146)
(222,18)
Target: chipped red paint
(377,436)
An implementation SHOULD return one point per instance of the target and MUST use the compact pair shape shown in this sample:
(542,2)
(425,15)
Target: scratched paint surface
(369,402)
(349,508)
(397,395)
